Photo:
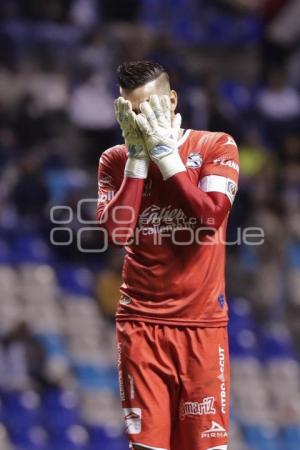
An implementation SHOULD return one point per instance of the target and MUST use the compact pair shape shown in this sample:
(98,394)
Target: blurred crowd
(235,65)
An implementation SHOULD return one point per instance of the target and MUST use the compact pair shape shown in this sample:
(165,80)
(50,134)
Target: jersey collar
(183,137)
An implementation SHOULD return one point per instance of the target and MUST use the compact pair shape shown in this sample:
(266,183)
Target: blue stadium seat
(57,399)
(242,329)
(74,437)
(58,421)
(261,437)
(21,410)
(91,376)
(75,280)
(30,438)
(243,343)
(60,410)
(291,436)
(53,344)
(293,254)
(31,248)
(276,345)
(104,439)
(5,252)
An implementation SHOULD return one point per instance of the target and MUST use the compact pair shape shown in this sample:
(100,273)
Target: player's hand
(155,122)
(161,134)
(138,157)
(131,133)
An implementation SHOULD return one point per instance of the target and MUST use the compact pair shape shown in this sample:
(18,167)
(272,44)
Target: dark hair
(134,74)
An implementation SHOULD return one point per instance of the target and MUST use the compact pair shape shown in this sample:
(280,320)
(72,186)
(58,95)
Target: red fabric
(210,208)
(113,214)
(173,273)
(174,385)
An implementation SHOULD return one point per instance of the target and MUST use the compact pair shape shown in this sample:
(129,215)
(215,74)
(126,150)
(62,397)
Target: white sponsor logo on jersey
(131,387)
(215,431)
(105,182)
(133,420)
(120,371)
(199,408)
(221,377)
(106,197)
(230,141)
(227,162)
(155,215)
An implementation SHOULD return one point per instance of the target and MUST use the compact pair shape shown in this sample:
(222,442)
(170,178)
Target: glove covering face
(161,132)
(138,157)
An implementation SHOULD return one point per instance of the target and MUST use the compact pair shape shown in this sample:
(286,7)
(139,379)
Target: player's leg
(143,370)
(202,419)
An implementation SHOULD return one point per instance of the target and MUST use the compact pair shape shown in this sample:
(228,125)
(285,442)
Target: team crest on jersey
(125,300)
(194,160)
(231,190)
(221,300)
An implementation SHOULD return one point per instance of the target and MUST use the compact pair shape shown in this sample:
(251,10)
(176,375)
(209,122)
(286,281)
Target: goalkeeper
(165,194)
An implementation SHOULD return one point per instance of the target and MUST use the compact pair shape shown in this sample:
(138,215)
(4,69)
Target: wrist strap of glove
(136,168)
(170,165)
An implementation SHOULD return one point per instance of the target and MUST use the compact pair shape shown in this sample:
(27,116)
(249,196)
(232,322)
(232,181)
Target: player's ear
(173,100)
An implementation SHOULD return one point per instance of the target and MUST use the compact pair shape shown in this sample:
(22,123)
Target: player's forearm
(119,217)
(209,208)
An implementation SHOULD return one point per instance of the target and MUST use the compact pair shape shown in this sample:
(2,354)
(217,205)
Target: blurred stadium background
(236,66)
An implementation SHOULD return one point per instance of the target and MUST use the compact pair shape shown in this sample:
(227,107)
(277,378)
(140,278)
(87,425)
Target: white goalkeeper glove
(138,158)
(161,134)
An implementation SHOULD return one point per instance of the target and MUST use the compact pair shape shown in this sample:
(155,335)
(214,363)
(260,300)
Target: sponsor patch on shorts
(133,420)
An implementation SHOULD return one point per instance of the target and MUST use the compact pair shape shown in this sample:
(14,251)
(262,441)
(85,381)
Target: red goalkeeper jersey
(174,265)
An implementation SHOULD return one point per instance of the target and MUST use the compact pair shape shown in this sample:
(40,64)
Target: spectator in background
(97,51)
(119,10)
(56,10)
(8,145)
(281,31)
(85,13)
(30,193)
(23,360)
(279,106)
(268,287)
(290,150)
(91,110)
(206,107)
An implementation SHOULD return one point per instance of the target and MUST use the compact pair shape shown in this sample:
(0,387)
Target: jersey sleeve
(109,179)
(119,198)
(220,169)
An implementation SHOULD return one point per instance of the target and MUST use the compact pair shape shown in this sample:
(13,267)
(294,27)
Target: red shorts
(174,385)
